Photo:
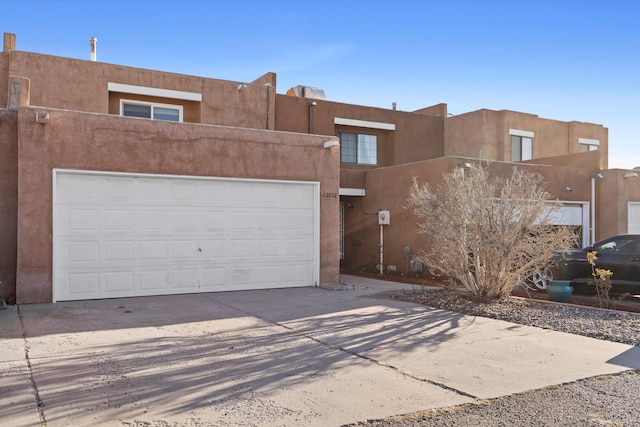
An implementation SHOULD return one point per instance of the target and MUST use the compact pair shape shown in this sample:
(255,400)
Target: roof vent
(306,92)
(92,48)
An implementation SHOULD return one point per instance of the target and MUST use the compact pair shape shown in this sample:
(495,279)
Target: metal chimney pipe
(93,41)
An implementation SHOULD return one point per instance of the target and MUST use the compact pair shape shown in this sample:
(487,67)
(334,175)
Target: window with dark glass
(148,110)
(358,148)
(521,148)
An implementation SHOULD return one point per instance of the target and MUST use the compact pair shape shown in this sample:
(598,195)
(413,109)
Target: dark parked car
(620,254)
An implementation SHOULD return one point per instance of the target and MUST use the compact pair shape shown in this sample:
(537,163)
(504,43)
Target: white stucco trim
(352,192)
(364,123)
(152,91)
(520,132)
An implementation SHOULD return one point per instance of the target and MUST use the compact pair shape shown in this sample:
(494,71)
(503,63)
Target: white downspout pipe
(593,206)
(381,249)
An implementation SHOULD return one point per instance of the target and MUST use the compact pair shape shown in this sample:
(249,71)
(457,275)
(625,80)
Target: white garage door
(634,218)
(120,235)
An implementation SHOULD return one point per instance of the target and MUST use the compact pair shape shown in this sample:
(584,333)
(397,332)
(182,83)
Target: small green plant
(602,281)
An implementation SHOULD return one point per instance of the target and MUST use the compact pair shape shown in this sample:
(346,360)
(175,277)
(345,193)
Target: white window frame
(526,144)
(152,105)
(591,144)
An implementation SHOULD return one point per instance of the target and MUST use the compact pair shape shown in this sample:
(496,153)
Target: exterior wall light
(631,175)
(42,117)
(331,144)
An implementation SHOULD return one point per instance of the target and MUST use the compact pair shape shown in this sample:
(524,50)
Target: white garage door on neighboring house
(634,218)
(575,215)
(120,235)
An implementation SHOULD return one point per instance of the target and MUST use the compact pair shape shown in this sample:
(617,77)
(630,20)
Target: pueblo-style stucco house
(382,150)
(99,201)
(118,181)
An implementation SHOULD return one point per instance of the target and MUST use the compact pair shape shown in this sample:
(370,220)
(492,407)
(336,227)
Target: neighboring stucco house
(118,181)
(382,150)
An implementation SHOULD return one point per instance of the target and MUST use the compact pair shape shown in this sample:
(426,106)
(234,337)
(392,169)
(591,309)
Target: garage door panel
(119,250)
(295,273)
(268,248)
(296,248)
(185,279)
(149,220)
(214,221)
(184,191)
(270,274)
(241,249)
(81,220)
(153,282)
(82,189)
(242,276)
(214,278)
(152,190)
(119,190)
(184,220)
(294,197)
(82,285)
(152,250)
(118,220)
(146,235)
(213,249)
(81,251)
(184,250)
(118,283)
(296,221)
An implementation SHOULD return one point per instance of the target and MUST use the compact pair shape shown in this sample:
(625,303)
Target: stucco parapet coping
(152,91)
(364,123)
(231,133)
(352,192)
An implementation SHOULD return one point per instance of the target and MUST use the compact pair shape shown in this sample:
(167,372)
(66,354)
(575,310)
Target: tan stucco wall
(588,160)
(80,85)
(8,203)
(76,140)
(614,192)
(4,79)
(484,134)
(417,136)
(388,188)
(479,135)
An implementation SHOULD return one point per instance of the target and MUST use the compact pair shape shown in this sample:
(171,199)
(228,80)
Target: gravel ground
(611,400)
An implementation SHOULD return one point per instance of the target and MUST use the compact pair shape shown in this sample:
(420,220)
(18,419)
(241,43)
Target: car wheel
(542,277)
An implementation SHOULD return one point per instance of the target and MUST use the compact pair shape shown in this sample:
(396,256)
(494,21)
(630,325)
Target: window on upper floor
(521,148)
(588,144)
(150,110)
(358,148)
(521,145)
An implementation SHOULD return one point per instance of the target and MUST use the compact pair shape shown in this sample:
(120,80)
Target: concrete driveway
(289,357)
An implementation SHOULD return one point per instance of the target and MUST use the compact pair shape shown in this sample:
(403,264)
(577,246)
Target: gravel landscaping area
(610,325)
(609,400)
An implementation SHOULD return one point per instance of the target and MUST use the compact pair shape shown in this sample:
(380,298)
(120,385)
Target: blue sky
(563,59)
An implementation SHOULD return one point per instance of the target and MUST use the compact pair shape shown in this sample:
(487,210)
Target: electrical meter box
(383,217)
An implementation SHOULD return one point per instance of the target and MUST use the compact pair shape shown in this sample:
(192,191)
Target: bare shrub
(487,232)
